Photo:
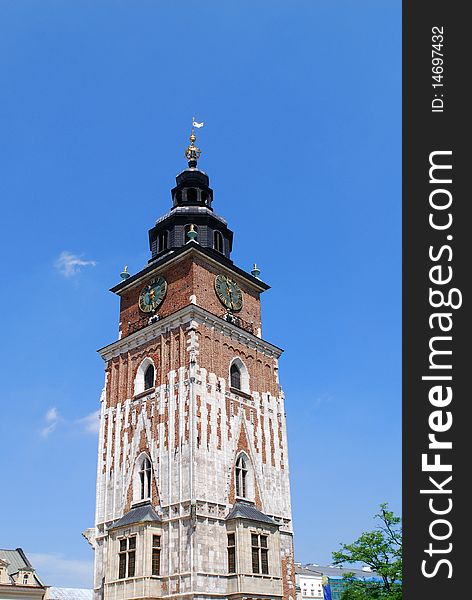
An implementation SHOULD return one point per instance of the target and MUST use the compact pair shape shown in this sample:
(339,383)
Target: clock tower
(193,497)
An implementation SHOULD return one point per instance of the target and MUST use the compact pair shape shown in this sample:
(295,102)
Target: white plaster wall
(193,476)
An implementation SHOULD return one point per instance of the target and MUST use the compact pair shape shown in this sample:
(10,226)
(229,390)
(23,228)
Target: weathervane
(193,153)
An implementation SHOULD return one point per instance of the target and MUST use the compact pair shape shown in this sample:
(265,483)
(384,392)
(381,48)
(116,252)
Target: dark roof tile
(246,511)
(143,513)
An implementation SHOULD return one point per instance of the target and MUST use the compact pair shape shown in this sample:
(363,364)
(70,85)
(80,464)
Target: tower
(193,498)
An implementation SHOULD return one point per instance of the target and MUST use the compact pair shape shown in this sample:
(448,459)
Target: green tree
(381,550)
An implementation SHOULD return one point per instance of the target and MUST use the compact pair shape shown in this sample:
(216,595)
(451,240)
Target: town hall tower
(193,498)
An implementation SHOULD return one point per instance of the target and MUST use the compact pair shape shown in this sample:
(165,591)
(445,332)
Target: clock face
(228,292)
(152,295)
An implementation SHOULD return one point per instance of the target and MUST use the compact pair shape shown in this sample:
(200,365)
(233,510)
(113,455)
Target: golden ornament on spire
(193,153)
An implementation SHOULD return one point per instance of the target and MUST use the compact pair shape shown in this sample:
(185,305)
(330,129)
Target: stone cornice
(192,248)
(189,313)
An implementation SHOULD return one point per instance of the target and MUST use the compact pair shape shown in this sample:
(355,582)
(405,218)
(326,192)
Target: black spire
(191,217)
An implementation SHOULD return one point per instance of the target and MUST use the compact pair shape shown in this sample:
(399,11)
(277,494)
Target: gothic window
(239,376)
(163,240)
(145,478)
(149,377)
(218,242)
(231,553)
(241,471)
(156,554)
(235,376)
(259,553)
(127,557)
(145,377)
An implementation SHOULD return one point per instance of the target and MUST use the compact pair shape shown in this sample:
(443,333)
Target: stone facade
(187,431)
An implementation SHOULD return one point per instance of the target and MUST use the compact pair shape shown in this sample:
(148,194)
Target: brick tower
(193,498)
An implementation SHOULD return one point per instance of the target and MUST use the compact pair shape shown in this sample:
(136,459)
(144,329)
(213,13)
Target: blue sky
(301,103)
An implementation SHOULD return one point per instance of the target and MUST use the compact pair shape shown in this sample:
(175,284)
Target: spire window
(163,241)
(218,242)
(192,195)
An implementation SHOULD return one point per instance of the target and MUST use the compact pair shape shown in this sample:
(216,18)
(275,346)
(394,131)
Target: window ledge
(147,392)
(142,502)
(262,575)
(240,393)
(133,579)
(244,500)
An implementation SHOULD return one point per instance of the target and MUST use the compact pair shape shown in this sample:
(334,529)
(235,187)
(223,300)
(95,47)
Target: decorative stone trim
(185,315)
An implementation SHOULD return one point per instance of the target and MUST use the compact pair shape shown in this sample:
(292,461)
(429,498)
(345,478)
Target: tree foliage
(381,550)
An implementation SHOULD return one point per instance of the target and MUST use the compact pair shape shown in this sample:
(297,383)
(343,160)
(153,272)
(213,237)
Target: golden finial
(193,153)
(124,274)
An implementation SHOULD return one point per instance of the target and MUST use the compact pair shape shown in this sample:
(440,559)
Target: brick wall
(192,276)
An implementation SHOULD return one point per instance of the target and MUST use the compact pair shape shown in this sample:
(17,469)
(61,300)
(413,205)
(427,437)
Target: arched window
(239,376)
(149,377)
(163,240)
(235,376)
(192,195)
(218,242)
(241,476)
(145,377)
(145,478)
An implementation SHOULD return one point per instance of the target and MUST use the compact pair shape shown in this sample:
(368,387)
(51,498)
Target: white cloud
(46,431)
(52,414)
(52,417)
(69,264)
(91,422)
(55,570)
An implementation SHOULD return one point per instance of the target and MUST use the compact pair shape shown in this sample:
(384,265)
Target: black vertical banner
(437,336)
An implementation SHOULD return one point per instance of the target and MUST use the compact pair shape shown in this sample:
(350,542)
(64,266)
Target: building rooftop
(333,571)
(301,570)
(17,560)
(58,593)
